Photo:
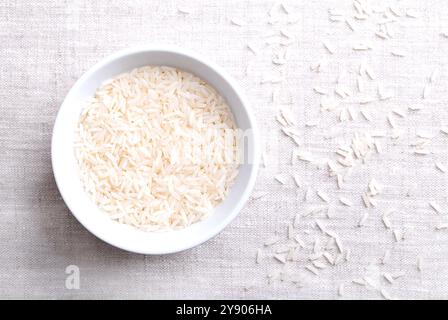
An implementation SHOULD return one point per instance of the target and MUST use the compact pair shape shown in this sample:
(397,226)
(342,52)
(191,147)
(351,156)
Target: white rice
(435,206)
(386,257)
(238,22)
(157,148)
(388,277)
(386,294)
(323,196)
(441,167)
(184,10)
(258,256)
(398,53)
(280,258)
(341,290)
(346,202)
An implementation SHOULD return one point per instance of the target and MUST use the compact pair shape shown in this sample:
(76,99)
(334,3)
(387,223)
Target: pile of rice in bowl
(157,148)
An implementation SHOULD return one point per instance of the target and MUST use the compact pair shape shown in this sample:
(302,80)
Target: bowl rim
(114,241)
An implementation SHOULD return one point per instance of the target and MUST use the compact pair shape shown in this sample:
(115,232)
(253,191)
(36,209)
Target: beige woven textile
(46,45)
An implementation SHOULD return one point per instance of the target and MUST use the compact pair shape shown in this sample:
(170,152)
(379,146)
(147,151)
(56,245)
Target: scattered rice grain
(435,206)
(323,196)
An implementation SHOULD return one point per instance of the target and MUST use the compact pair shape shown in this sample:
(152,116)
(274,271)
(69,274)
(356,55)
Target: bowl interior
(65,166)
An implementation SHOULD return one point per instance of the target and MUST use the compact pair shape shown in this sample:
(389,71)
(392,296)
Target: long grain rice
(157,148)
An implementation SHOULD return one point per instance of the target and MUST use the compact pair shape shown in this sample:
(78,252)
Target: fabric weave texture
(47,45)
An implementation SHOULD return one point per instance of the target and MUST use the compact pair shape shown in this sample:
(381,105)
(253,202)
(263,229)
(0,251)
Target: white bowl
(65,165)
